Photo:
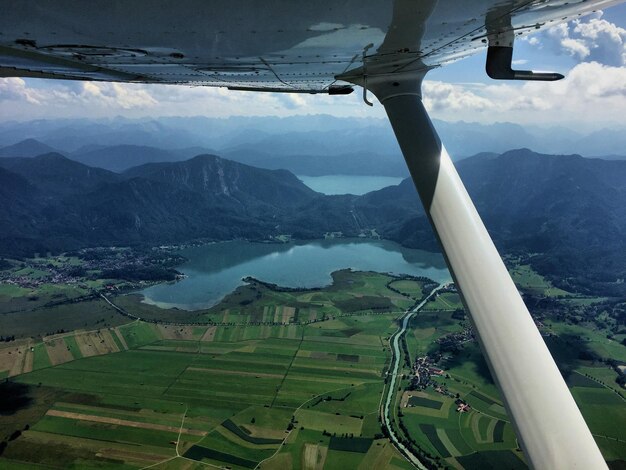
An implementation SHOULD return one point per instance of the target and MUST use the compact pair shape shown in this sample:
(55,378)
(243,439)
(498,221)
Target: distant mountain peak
(523,152)
(205,157)
(57,175)
(212,176)
(27,148)
(528,153)
(30,142)
(119,158)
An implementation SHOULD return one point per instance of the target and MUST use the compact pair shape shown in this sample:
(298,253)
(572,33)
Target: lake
(348,184)
(216,269)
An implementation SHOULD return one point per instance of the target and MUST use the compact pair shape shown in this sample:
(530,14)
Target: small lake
(348,184)
(215,270)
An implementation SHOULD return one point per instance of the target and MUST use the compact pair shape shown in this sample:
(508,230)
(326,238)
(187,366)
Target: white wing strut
(549,425)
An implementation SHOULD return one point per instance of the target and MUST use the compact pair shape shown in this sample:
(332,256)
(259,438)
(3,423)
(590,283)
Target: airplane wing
(274,45)
(326,47)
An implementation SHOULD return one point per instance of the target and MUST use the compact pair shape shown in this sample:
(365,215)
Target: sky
(590,52)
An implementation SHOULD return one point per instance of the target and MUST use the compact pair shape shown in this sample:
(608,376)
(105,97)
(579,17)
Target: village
(426,367)
(78,268)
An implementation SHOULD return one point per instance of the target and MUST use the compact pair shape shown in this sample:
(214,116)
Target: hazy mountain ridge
(205,197)
(27,148)
(308,145)
(122,157)
(56,175)
(354,163)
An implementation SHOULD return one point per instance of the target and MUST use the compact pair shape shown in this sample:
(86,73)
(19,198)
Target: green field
(292,379)
(425,402)
(41,357)
(32,319)
(483,437)
(409,287)
(526,278)
(235,394)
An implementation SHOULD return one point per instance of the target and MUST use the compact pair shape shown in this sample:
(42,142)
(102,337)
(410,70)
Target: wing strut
(549,425)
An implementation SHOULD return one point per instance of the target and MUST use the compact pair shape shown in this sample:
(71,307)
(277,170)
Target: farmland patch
(424,402)
(350,444)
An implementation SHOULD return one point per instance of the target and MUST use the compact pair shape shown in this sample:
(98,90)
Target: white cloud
(15,89)
(576,48)
(292,100)
(37,98)
(440,96)
(590,92)
(594,85)
(589,40)
(116,95)
(88,95)
(606,41)
(592,95)
(533,40)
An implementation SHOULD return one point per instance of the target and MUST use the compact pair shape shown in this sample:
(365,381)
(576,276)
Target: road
(393,374)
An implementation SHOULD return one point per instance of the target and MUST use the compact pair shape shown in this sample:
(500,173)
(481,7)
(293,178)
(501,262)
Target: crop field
(409,287)
(31,319)
(445,433)
(587,339)
(293,379)
(425,402)
(447,301)
(526,278)
(482,436)
(235,395)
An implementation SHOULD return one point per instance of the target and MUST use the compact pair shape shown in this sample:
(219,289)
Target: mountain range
(305,145)
(63,204)
(565,213)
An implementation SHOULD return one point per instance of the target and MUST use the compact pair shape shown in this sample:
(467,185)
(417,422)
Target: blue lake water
(215,270)
(348,184)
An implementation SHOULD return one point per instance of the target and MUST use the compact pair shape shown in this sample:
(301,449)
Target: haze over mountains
(306,145)
(567,211)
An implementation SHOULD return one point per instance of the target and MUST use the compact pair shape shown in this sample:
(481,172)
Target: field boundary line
(608,438)
(167,389)
(293,358)
(603,384)
(294,413)
(180,430)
